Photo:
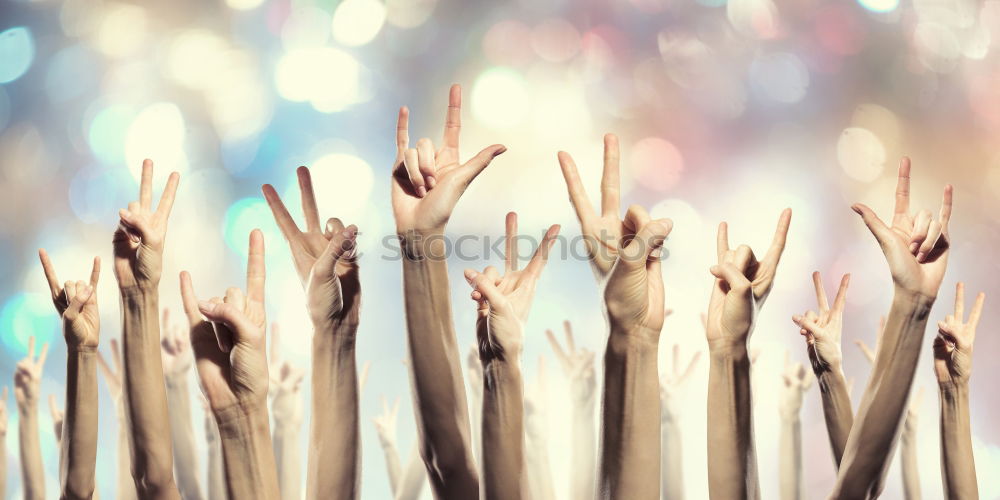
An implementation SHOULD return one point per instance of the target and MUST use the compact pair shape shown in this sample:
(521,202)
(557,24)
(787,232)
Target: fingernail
(913,247)
(421,191)
(500,151)
(856,210)
(431,181)
(126,213)
(205,305)
(921,256)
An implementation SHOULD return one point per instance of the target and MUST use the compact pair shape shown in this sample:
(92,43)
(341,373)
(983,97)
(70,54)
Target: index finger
(308,199)
(402,131)
(284,219)
(821,300)
(255,267)
(903,187)
(556,347)
(146,185)
(722,241)
(534,267)
(453,119)
(977,310)
(103,365)
(577,194)
(50,272)
(53,407)
(610,180)
(946,202)
(116,356)
(568,330)
(841,298)
(188,298)
(43,355)
(167,198)
(960,302)
(510,252)
(780,236)
(95,272)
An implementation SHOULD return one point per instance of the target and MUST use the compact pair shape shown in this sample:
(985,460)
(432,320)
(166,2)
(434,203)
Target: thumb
(738,283)
(647,242)
(228,315)
(83,293)
(341,245)
(472,168)
(806,324)
(878,228)
(133,222)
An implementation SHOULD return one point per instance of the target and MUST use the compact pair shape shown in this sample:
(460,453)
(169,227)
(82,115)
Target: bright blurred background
(726,111)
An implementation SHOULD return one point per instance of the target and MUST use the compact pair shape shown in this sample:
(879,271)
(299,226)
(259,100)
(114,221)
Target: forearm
(908,463)
(32,471)
(216,475)
(436,374)
(247,455)
(957,463)
(286,455)
(412,482)
(630,421)
(790,461)
(671,461)
(538,471)
(836,409)
(732,460)
(125,489)
(145,396)
(182,436)
(334,450)
(873,438)
(503,428)
(78,449)
(584,459)
(392,466)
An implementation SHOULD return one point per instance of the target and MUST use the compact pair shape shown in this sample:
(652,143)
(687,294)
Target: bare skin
(426,186)
(228,340)
(125,487)
(405,483)
(916,249)
(742,285)
(577,364)
(27,378)
(286,407)
(76,303)
(796,380)
(672,384)
(326,264)
(953,368)
(625,256)
(138,262)
(175,351)
(503,303)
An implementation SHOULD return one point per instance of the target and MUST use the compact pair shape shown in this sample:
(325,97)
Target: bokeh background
(726,111)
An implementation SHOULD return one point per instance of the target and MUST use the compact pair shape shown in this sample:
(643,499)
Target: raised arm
(426,185)
(124,486)
(385,426)
(138,261)
(27,381)
(671,445)
(953,367)
(326,263)
(796,381)
(578,367)
(742,284)
(538,468)
(286,406)
(216,476)
(76,303)
(228,340)
(916,249)
(504,301)
(823,332)
(177,359)
(625,258)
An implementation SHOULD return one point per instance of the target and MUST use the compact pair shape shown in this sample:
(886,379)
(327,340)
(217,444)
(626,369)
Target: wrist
(728,347)
(139,290)
(954,388)
(339,333)
(622,339)
(913,299)
(28,409)
(81,349)
(417,245)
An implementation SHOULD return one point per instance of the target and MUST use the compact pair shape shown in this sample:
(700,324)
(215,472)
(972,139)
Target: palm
(603,237)
(823,330)
(28,375)
(76,303)
(577,364)
(956,335)
(138,241)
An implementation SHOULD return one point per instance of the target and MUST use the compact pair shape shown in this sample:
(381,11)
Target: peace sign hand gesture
(426,185)
(577,365)
(76,303)
(138,241)
(28,375)
(823,330)
(953,344)
(227,337)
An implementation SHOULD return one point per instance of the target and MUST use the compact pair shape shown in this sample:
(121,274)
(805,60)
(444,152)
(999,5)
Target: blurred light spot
(306,27)
(239,104)
(500,98)
(123,30)
(17,49)
(356,22)
(157,133)
(193,56)
(107,134)
(508,43)
(555,40)
(689,230)
(342,184)
(244,4)
(326,77)
(879,121)
(4,108)
(977,43)
(861,154)
(561,112)
(24,315)
(937,46)
(71,74)
(242,217)
(712,3)
(656,163)
(408,13)
(753,18)
(839,29)
(93,193)
(984,99)
(879,5)
(780,77)
(80,17)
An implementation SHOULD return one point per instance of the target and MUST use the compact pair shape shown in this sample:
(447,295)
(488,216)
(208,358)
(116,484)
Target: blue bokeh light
(17,50)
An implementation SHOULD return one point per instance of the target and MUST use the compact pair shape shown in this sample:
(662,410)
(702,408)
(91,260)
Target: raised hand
(916,246)
(505,300)
(742,284)
(426,185)
(76,303)
(672,382)
(57,417)
(823,330)
(28,375)
(227,337)
(175,347)
(953,344)
(138,241)
(112,376)
(796,381)
(285,383)
(385,423)
(633,294)
(577,365)
(324,258)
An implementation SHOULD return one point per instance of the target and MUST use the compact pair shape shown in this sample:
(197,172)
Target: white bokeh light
(861,154)
(357,22)
(500,98)
(158,133)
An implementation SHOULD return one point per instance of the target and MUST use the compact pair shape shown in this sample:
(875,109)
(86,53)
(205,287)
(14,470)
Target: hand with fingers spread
(916,250)
(742,285)
(175,348)
(57,419)
(326,262)
(385,426)
(953,367)
(578,366)
(671,437)
(228,341)
(138,241)
(796,380)
(427,184)
(503,304)
(27,382)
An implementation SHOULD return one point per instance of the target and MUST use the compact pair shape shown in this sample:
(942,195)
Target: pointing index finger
(903,187)
(821,299)
(50,273)
(510,251)
(453,118)
(610,181)
(255,267)
(780,236)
